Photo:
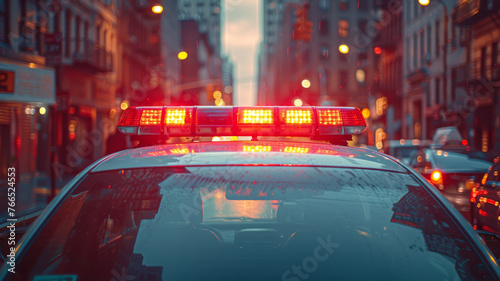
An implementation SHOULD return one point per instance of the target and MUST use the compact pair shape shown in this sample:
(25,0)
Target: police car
(249,210)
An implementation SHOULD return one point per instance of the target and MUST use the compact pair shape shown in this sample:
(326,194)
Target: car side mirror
(491,240)
(491,184)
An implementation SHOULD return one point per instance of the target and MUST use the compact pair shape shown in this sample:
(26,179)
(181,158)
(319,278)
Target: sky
(240,40)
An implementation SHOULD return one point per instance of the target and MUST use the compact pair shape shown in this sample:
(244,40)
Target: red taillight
(436,177)
(483,180)
(465,142)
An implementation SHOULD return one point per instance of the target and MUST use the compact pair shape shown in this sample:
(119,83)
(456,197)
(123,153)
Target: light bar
(317,122)
(175,116)
(255,116)
(151,117)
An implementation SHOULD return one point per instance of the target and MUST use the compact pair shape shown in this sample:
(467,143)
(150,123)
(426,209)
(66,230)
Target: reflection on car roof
(249,153)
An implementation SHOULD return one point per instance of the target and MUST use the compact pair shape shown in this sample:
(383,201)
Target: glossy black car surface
(251,211)
(454,173)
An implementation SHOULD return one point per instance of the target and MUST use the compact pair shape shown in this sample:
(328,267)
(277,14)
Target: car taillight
(483,181)
(437,177)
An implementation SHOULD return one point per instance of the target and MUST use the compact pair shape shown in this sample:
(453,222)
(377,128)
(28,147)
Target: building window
(97,36)
(28,25)
(343,28)
(78,33)
(85,33)
(344,5)
(324,5)
(362,26)
(323,27)
(407,57)
(438,45)
(495,75)
(67,50)
(4,20)
(415,55)
(483,62)
(104,39)
(453,83)
(408,13)
(342,57)
(415,8)
(324,52)
(57,22)
(342,79)
(363,5)
(437,92)
(429,41)
(362,56)
(422,51)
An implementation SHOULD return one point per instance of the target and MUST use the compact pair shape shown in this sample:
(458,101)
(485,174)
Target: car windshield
(404,151)
(251,223)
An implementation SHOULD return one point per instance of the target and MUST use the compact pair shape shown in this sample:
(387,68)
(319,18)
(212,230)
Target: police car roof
(248,153)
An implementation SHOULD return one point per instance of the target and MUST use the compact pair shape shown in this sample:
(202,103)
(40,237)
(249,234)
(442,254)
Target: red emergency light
(316,122)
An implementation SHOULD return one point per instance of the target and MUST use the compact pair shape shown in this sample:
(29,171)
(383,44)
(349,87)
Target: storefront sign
(21,83)
(7,81)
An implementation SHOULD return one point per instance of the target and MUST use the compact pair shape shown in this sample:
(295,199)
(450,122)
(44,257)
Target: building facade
(482,73)
(434,48)
(27,98)
(82,40)
(202,70)
(385,104)
(335,78)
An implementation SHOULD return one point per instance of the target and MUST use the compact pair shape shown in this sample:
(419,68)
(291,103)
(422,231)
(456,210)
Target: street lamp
(344,49)
(182,55)
(157,9)
(306,83)
(298,102)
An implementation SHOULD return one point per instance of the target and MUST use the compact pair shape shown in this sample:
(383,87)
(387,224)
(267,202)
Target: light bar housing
(316,122)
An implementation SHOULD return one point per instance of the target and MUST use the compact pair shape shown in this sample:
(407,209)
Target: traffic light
(302,29)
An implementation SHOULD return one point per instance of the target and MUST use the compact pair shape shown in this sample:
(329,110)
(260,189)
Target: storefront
(84,103)
(27,95)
